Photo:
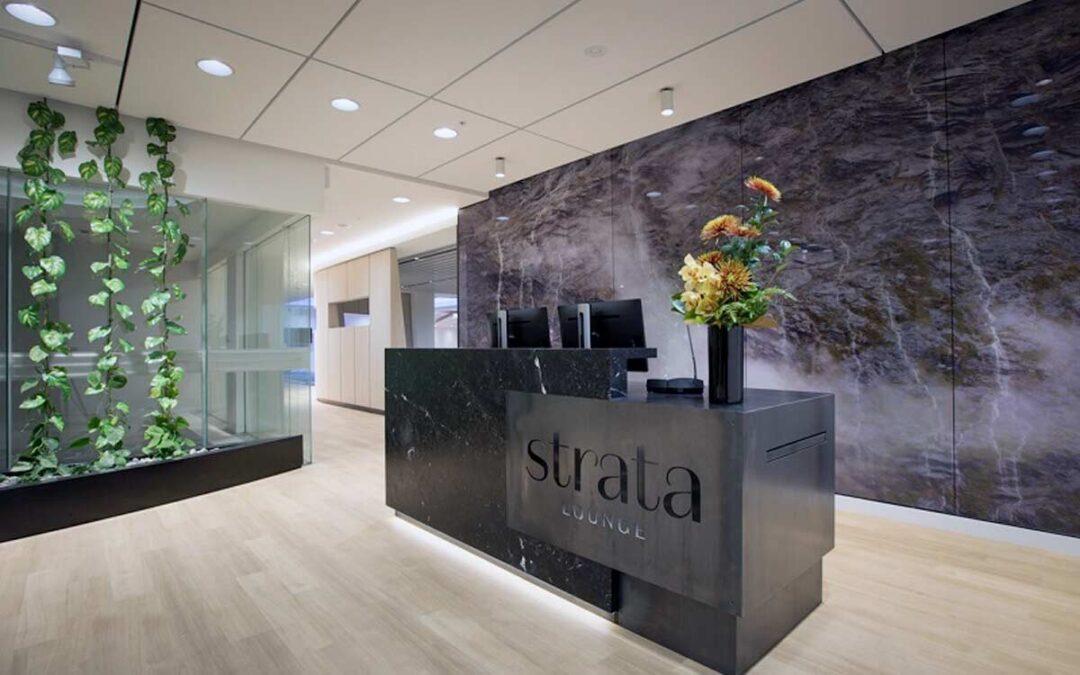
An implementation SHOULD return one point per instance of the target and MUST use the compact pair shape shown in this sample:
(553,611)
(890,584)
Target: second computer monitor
(611,324)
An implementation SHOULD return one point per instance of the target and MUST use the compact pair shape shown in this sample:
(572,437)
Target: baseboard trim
(1046,541)
(352,406)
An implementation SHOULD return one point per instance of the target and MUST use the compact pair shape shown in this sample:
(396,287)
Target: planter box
(35,508)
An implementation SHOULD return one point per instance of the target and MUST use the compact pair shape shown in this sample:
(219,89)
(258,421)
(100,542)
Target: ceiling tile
(101,27)
(549,69)
(301,118)
(424,44)
(26,68)
(409,147)
(897,24)
(807,40)
(526,155)
(162,78)
(298,26)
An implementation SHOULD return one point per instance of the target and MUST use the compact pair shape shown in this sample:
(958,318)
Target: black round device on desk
(676,385)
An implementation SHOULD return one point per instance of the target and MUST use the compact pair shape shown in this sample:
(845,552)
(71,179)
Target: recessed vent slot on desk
(782,451)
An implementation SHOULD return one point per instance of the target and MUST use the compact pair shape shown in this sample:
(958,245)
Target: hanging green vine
(164,437)
(112,222)
(44,272)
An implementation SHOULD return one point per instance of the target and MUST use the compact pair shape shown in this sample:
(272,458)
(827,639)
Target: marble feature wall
(933,192)
(1014,155)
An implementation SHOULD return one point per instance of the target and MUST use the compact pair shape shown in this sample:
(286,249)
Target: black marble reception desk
(446,446)
(701,527)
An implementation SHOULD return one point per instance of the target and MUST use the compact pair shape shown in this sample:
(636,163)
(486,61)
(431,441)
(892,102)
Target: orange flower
(732,278)
(763,186)
(730,225)
(711,257)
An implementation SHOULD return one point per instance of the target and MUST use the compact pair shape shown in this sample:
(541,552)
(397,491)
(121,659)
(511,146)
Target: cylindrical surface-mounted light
(667,101)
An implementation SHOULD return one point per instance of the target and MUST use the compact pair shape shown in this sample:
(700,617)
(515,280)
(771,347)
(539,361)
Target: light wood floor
(310,573)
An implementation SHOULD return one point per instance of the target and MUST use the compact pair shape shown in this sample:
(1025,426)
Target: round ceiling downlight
(345,105)
(445,133)
(215,67)
(401,200)
(31,14)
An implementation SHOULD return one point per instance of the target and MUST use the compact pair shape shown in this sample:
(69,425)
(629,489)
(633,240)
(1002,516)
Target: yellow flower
(763,186)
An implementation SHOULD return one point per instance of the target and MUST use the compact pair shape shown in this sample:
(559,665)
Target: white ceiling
(519,74)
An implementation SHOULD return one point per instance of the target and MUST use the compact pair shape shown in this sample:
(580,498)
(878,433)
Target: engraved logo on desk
(607,475)
(636,488)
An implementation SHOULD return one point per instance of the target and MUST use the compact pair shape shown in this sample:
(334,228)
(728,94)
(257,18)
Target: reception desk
(700,527)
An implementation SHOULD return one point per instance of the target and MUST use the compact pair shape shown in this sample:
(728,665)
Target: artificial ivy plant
(44,271)
(111,222)
(164,436)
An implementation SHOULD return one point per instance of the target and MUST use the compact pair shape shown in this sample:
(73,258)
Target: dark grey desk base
(725,642)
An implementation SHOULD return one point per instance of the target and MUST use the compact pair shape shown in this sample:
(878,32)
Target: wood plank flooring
(309,572)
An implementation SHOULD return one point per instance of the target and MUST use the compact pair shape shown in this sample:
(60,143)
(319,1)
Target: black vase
(726,364)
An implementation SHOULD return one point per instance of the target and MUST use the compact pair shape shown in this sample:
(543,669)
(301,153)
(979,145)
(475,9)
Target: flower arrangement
(721,287)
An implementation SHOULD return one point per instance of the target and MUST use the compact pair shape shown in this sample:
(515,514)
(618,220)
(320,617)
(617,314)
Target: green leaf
(28,316)
(99,299)
(24,214)
(98,332)
(115,285)
(88,169)
(155,203)
(38,238)
(125,346)
(183,208)
(96,199)
(118,381)
(65,229)
(42,287)
(171,229)
(37,354)
(51,200)
(123,407)
(154,341)
(32,403)
(66,142)
(175,328)
(40,113)
(52,339)
(41,139)
(123,310)
(81,442)
(98,267)
(54,266)
(165,167)
(57,421)
(113,167)
(148,180)
(28,385)
(32,272)
(106,362)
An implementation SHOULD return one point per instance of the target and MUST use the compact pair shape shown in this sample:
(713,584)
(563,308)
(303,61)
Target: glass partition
(259,326)
(247,350)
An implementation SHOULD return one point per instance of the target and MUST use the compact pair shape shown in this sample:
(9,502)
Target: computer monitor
(520,328)
(604,325)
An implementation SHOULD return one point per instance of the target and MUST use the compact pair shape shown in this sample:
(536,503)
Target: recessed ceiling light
(401,200)
(1043,82)
(215,67)
(500,167)
(653,194)
(345,104)
(595,51)
(328,233)
(502,219)
(445,132)
(27,13)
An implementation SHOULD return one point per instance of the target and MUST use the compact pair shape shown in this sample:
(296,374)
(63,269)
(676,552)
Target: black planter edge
(36,508)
